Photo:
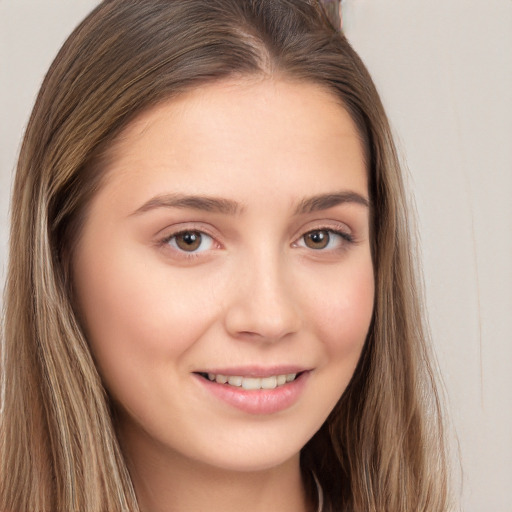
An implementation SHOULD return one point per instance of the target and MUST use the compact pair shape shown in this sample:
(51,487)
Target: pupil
(317,239)
(188,241)
(190,238)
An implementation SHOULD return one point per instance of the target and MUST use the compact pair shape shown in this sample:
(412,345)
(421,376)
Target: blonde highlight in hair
(382,447)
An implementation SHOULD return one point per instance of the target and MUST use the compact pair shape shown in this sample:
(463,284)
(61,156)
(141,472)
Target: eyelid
(325,225)
(334,228)
(182,227)
(173,231)
(197,251)
(345,237)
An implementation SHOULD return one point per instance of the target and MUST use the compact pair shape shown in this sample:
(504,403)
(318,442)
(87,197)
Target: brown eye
(188,241)
(317,239)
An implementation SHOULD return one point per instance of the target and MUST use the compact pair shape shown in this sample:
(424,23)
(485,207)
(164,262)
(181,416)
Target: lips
(252,383)
(256,391)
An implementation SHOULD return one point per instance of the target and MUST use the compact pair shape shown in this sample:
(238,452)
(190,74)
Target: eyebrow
(204,203)
(229,207)
(326,201)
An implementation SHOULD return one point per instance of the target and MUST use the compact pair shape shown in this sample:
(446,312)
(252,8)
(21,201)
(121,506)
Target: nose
(264,303)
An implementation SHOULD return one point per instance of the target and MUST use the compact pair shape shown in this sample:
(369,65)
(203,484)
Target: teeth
(269,383)
(252,383)
(235,381)
(281,379)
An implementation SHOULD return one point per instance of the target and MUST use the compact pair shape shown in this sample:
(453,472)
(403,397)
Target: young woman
(211,301)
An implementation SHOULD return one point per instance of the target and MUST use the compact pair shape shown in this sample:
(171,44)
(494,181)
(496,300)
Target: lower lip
(260,401)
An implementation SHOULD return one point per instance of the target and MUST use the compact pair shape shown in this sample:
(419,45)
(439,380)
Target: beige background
(444,69)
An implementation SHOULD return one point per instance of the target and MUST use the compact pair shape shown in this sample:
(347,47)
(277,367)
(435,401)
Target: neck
(165,481)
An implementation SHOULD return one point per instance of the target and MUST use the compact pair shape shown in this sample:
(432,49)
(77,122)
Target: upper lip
(255,371)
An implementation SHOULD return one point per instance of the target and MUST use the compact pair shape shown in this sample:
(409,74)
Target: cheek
(343,313)
(137,316)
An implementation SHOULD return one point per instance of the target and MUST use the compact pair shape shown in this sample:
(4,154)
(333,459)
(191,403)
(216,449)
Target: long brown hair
(382,447)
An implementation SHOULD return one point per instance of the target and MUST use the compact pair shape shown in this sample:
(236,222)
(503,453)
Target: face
(224,274)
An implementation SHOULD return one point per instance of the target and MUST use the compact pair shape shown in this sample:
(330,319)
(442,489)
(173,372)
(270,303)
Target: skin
(253,293)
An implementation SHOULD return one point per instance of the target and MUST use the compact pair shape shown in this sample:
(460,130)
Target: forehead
(252,131)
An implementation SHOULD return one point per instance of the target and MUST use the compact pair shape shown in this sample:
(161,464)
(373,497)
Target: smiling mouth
(251,383)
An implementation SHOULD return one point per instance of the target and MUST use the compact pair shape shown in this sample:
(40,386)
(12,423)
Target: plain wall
(444,70)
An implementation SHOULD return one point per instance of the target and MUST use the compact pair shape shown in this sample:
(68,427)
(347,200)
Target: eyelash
(165,242)
(347,238)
